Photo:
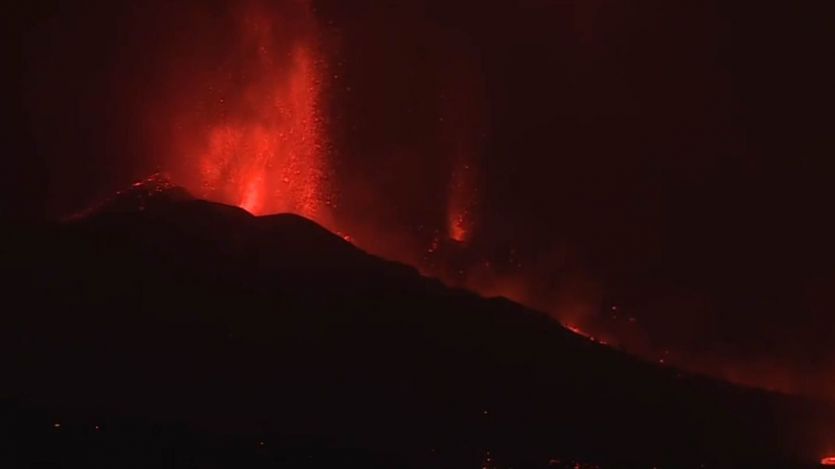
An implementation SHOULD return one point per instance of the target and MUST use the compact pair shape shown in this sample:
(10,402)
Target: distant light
(828,461)
(56,425)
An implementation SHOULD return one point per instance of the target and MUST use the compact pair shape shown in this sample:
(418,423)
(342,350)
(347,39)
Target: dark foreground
(162,331)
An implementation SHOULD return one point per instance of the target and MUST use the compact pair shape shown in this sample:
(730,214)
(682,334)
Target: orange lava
(264,152)
(828,461)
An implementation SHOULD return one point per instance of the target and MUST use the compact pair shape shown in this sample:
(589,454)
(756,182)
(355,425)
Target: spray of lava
(464,118)
(462,200)
(261,145)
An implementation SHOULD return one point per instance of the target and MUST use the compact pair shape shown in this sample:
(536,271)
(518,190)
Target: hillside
(206,336)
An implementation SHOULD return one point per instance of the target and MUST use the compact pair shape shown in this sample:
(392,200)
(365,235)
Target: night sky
(672,161)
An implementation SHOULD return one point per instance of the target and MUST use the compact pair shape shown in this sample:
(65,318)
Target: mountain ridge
(191,311)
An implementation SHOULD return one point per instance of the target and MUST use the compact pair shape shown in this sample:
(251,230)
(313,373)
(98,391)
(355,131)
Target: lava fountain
(461,202)
(258,142)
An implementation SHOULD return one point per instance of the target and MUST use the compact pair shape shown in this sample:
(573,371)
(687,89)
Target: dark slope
(198,330)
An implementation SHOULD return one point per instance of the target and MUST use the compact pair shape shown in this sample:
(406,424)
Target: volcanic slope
(175,332)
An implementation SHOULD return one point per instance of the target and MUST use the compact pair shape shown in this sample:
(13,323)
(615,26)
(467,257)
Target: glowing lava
(828,461)
(460,209)
(463,127)
(264,151)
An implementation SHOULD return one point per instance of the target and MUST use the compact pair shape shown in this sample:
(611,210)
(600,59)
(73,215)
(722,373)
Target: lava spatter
(264,149)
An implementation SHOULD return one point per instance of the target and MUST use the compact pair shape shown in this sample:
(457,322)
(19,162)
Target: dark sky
(675,160)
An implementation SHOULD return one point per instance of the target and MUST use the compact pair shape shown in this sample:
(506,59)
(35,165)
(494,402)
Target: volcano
(169,331)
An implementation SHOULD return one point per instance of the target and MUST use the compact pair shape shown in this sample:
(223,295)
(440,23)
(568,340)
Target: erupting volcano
(268,117)
(630,177)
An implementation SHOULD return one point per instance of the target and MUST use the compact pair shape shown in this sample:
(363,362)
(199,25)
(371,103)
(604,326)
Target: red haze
(250,133)
(412,172)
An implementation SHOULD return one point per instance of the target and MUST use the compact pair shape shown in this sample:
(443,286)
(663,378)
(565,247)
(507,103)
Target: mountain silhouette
(161,330)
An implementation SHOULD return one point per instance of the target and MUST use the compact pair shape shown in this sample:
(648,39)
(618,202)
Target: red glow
(463,125)
(575,330)
(828,461)
(461,202)
(263,147)
(248,132)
